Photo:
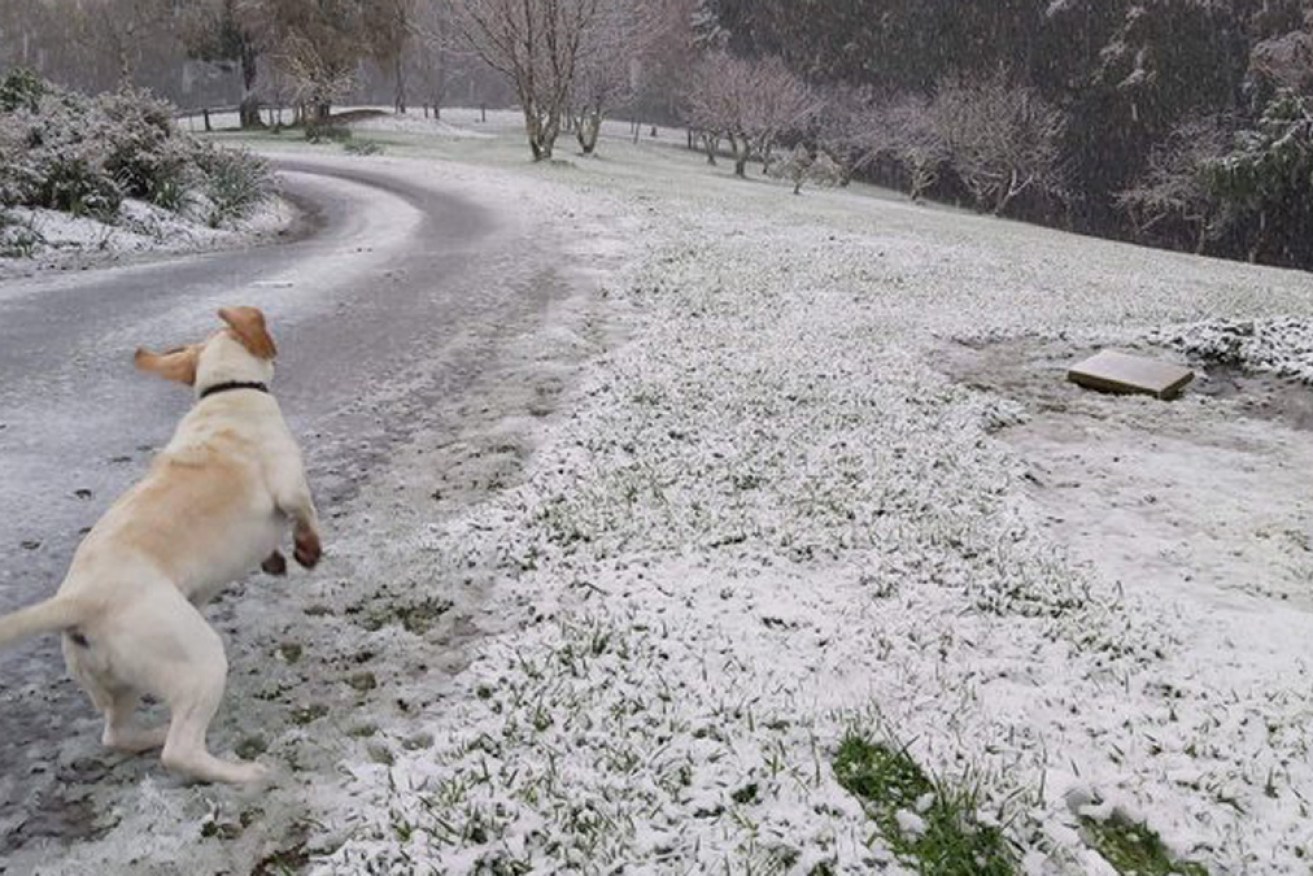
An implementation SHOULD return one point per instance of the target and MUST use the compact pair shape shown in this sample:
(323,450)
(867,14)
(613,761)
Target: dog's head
(244,351)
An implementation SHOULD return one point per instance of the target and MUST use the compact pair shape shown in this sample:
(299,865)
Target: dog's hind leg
(113,699)
(123,733)
(274,564)
(181,660)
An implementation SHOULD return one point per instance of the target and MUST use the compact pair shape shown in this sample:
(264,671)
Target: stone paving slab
(1111,371)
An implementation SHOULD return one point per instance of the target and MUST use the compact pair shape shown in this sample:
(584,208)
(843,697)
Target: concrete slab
(1111,371)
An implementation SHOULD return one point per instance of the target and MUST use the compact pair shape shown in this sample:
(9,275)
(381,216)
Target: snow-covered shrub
(48,159)
(318,133)
(800,167)
(18,238)
(235,181)
(66,151)
(144,153)
(20,89)
(75,182)
(363,147)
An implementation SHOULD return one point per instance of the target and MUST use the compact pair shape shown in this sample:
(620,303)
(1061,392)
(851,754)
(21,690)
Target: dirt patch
(1206,494)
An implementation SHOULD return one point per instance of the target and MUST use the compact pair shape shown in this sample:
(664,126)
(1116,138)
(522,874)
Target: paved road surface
(398,295)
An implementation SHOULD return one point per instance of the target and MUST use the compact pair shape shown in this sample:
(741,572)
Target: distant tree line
(302,55)
(1180,123)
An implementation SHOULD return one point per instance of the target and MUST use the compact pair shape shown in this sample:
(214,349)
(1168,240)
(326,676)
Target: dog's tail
(55,614)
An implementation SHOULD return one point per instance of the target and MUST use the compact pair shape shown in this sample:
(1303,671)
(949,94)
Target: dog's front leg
(294,500)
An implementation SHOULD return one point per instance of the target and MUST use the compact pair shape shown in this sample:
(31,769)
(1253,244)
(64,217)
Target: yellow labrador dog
(215,504)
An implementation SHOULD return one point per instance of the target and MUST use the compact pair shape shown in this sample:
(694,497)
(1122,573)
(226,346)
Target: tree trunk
(249,111)
(542,132)
(710,142)
(587,130)
(741,151)
(399,70)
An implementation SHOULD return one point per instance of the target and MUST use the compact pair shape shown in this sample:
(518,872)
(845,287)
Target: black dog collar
(230,386)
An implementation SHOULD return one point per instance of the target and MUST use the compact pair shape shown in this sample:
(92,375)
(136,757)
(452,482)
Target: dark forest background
(1178,123)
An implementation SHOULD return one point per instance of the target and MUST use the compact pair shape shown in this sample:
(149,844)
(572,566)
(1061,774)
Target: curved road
(400,296)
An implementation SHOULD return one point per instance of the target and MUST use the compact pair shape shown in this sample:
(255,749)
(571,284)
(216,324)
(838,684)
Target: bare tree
(433,50)
(669,54)
(1002,139)
(119,29)
(801,166)
(1174,188)
(717,105)
(317,44)
(605,75)
(621,51)
(537,45)
(390,26)
(851,128)
(215,30)
(916,141)
(749,103)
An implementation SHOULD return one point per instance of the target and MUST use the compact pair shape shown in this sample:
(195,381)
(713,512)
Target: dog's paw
(308,549)
(253,776)
(276,564)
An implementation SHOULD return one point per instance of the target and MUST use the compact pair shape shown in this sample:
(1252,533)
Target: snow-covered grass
(825,482)
(779,515)
(37,238)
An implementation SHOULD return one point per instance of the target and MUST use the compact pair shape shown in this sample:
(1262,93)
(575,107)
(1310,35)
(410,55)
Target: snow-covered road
(387,317)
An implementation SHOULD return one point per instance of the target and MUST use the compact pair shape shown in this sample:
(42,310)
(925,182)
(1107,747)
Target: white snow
(782,510)
(822,472)
(141,229)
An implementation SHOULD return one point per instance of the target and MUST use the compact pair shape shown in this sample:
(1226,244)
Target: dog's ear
(178,364)
(247,324)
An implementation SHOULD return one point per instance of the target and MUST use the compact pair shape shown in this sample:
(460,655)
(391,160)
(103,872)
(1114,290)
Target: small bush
(18,239)
(65,151)
(363,147)
(75,184)
(144,152)
(20,89)
(327,133)
(235,181)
